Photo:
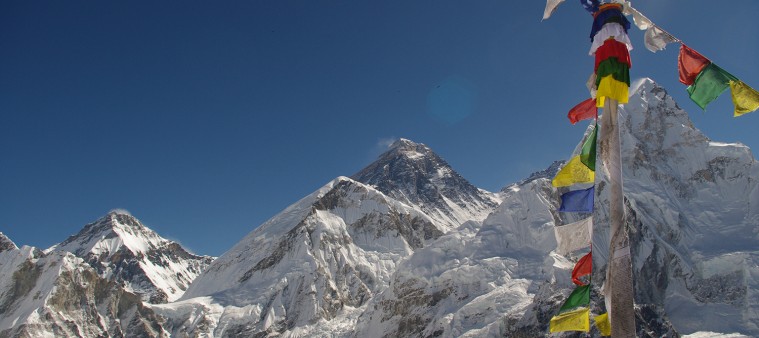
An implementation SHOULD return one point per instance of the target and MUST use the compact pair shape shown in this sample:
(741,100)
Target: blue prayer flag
(578,200)
(590,5)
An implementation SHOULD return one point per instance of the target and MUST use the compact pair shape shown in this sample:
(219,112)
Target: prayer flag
(573,236)
(613,89)
(551,7)
(588,153)
(613,49)
(606,15)
(579,297)
(657,39)
(690,63)
(590,5)
(577,200)
(610,30)
(640,20)
(584,110)
(709,84)
(603,324)
(745,98)
(583,267)
(611,66)
(572,173)
(578,320)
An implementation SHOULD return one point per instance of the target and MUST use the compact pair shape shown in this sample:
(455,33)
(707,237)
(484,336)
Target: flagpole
(619,288)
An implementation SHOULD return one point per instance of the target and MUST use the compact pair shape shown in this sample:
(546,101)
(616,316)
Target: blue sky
(204,119)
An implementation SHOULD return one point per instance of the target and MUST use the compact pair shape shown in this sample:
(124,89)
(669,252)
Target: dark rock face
(412,173)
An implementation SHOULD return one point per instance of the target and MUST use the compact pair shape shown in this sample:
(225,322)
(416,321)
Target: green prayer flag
(709,84)
(579,297)
(611,66)
(588,154)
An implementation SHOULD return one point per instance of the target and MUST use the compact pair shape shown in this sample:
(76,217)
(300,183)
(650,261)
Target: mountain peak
(121,248)
(413,174)
(6,243)
(408,149)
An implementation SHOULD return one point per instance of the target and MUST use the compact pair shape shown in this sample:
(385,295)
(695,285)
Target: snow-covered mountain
(324,257)
(122,249)
(408,248)
(692,218)
(413,174)
(59,295)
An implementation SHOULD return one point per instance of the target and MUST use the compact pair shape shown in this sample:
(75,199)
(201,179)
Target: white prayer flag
(573,236)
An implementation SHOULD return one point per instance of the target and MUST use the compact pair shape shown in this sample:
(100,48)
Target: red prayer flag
(583,111)
(613,48)
(690,63)
(584,267)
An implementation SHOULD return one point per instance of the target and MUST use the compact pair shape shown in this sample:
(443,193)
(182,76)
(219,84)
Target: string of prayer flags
(603,324)
(551,7)
(584,110)
(655,38)
(573,236)
(579,297)
(745,98)
(588,152)
(577,320)
(611,47)
(574,172)
(577,200)
(706,81)
(583,268)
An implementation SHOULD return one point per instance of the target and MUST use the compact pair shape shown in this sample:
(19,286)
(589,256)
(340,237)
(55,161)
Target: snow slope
(122,249)
(326,254)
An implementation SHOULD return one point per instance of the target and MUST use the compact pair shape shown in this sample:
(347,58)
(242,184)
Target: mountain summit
(120,248)
(413,174)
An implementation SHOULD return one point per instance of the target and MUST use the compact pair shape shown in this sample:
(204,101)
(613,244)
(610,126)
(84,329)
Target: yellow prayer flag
(574,172)
(577,320)
(745,98)
(613,89)
(603,324)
